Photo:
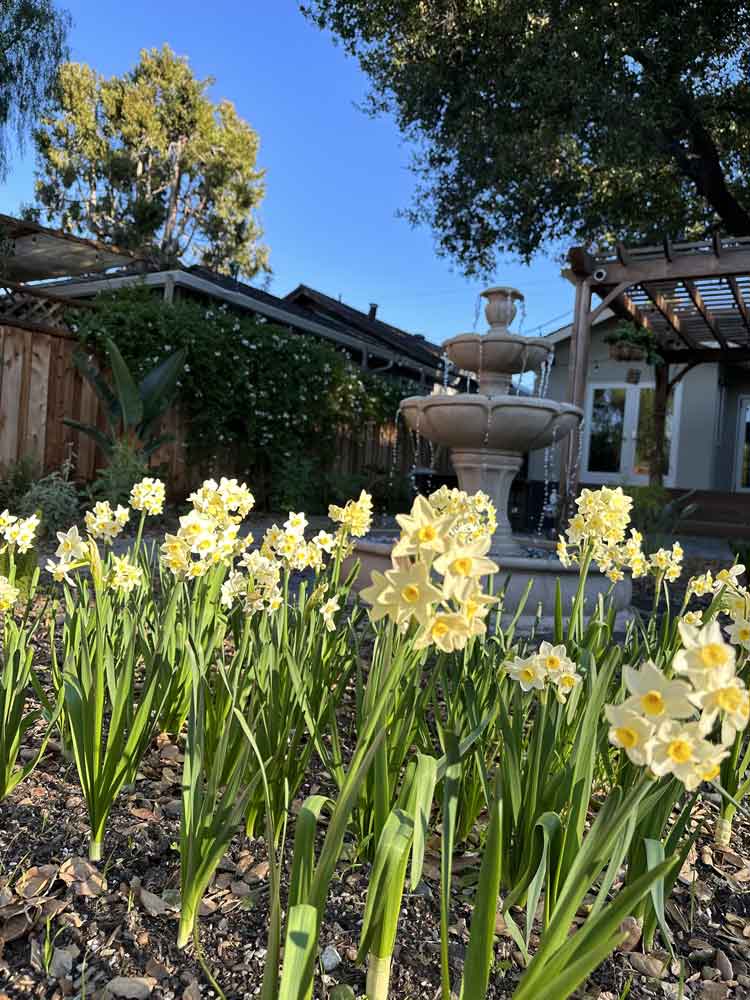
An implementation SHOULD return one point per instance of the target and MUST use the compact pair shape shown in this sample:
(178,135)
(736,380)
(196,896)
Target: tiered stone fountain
(488,433)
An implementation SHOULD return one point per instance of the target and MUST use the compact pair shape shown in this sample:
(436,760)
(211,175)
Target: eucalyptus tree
(149,161)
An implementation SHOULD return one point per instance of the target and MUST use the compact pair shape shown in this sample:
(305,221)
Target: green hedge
(269,398)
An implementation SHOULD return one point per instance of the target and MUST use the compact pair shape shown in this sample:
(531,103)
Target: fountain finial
(500,309)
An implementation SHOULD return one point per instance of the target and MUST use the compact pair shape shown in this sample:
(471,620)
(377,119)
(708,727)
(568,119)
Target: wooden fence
(40,386)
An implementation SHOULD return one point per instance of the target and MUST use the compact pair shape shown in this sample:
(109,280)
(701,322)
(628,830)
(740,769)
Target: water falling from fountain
(548,452)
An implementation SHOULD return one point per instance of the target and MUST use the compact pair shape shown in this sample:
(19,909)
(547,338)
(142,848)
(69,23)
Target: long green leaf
(129,398)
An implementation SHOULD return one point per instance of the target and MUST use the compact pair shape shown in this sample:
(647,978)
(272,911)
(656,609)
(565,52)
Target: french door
(619,432)
(742,451)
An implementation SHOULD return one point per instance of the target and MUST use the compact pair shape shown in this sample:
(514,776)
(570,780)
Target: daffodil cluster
(474,514)
(667,563)
(124,576)
(256,584)
(148,496)
(550,667)
(734,601)
(355,516)
(435,580)
(8,594)
(18,532)
(104,523)
(599,530)
(666,722)
(289,546)
(209,534)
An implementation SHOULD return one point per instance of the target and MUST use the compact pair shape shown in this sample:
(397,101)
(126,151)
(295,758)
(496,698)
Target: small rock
(632,930)
(709,973)
(153,905)
(260,871)
(173,807)
(701,956)
(130,987)
(157,970)
(724,965)
(61,964)
(714,991)
(423,890)
(653,966)
(240,888)
(743,980)
(330,959)
(192,991)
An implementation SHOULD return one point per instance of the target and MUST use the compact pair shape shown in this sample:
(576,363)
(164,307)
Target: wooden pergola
(694,297)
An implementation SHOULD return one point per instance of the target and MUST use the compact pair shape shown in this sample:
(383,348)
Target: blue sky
(335,178)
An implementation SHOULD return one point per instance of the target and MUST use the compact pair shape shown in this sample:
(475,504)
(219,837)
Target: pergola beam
(669,314)
(707,355)
(740,301)
(707,316)
(659,269)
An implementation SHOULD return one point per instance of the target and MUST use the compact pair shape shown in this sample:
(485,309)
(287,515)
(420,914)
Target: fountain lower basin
(500,423)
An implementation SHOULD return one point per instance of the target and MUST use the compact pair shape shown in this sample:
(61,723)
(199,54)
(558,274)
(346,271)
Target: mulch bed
(72,929)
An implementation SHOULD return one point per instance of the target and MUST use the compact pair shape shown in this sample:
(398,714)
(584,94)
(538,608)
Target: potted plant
(628,342)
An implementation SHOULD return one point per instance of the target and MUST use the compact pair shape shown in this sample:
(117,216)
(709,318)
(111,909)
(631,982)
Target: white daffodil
(726,695)
(414,590)
(565,680)
(656,696)
(446,631)
(704,651)
(528,672)
(679,748)
(555,659)
(328,610)
(739,633)
(461,562)
(632,732)
(71,546)
(423,530)
(382,598)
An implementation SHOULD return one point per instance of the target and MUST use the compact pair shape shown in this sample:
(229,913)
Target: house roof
(415,346)
(406,353)
(37,253)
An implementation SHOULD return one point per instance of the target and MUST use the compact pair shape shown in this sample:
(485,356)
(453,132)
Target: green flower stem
(378,976)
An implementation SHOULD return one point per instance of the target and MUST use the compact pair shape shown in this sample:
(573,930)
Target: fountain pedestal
(492,472)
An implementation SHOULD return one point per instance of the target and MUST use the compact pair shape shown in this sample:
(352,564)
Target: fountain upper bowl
(496,352)
(501,423)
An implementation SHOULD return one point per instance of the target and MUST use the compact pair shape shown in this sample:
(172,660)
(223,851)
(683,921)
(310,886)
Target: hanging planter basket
(623,350)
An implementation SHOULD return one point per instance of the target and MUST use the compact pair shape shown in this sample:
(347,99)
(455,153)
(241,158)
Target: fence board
(38,354)
(10,397)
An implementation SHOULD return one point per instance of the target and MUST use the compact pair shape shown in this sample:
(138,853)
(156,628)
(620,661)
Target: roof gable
(412,345)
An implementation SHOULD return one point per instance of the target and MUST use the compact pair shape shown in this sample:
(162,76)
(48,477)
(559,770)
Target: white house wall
(700,459)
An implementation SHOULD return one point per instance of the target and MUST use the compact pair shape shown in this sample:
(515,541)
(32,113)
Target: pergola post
(578,363)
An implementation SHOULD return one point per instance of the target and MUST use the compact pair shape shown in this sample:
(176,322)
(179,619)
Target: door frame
(743,402)
(629,430)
